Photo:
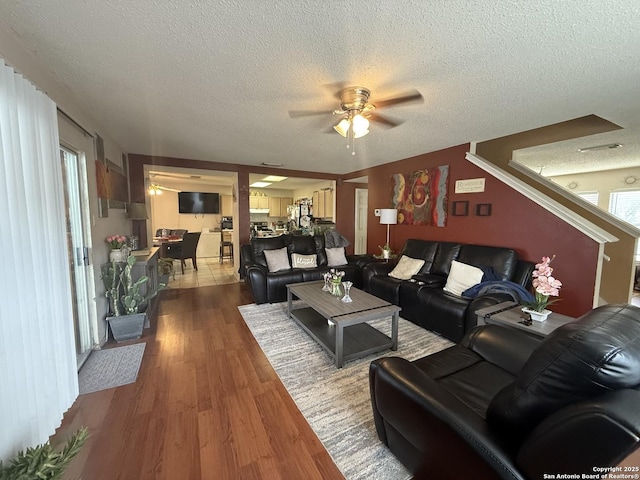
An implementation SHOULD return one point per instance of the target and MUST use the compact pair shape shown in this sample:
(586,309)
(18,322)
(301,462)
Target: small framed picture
(483,210)
(460,208)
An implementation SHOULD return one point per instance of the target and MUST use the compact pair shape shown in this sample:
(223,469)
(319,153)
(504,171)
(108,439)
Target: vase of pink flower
(116,242)
(545,285)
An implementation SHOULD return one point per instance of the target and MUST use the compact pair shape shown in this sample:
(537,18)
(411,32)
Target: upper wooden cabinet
(323,204)
(258,202)
(274,206)
(278,206)
(284,203)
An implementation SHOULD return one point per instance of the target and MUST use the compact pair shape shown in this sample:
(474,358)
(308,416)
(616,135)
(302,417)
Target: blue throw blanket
(334,239)
(517,292)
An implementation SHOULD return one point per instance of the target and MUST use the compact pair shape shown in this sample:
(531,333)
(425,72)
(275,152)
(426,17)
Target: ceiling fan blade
(308,113)
(168,189)
(386,121)
(412,96)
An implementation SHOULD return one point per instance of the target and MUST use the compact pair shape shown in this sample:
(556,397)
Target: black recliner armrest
(245,259)
(614,416)
(257,281)
(435,423)
(360,260)
(380,268)
(375,268)
(507,348)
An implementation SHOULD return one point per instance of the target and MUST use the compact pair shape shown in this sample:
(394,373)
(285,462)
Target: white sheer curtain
(37,351)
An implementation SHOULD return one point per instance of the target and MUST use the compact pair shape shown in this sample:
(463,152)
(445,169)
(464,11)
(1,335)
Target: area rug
(336,402)
(110,368)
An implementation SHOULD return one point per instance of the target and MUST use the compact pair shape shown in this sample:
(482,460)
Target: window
(626,205)
(591,197)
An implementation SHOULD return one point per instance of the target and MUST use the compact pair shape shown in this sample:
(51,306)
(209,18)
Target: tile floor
(210,272)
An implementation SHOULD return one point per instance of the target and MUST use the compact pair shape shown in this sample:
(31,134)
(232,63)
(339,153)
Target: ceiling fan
(356,111)
(157,189)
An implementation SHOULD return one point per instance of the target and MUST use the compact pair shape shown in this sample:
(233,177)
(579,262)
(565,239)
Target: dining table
(164,242)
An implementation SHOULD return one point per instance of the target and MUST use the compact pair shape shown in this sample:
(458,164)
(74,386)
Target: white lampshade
(388,216)
(360,126)
(343,127)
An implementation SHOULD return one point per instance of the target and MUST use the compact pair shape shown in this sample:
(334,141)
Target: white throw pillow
(277,259)
(336,257)
(462,277)
(406,268)
(304,261)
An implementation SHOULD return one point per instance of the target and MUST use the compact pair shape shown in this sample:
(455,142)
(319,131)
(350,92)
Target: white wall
(164,207)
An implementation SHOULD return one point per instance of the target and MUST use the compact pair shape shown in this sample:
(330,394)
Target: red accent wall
(515,222)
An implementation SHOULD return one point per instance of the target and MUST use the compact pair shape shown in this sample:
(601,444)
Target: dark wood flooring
(206,404)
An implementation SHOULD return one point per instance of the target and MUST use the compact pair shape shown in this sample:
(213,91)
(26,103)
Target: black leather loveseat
(422,297)
(270,286)
(502,404)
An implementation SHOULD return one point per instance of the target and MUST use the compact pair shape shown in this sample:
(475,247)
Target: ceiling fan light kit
(356,112)
(154,189)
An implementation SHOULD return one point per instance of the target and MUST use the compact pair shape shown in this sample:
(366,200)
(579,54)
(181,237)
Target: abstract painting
(421,197)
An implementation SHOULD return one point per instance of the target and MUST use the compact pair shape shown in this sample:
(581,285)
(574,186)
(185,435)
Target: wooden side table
(509,314)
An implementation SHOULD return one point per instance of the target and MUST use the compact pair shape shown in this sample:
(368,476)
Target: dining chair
(178,232)
(185,249)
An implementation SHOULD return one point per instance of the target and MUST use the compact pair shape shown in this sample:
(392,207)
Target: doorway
(78,248)
(362,202)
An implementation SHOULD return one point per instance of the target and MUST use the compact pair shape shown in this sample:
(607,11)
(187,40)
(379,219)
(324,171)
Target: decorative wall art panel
(112,184)
(421,197)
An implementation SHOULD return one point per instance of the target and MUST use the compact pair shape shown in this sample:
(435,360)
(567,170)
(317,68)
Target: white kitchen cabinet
(226,206)
(209,245)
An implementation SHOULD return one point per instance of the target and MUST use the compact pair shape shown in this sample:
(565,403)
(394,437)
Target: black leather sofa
(269,286)
(502,404)
(422,298)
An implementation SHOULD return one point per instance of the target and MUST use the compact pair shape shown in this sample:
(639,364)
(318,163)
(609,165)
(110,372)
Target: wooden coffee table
(340,328)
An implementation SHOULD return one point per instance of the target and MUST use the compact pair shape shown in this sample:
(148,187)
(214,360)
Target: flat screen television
(198,202)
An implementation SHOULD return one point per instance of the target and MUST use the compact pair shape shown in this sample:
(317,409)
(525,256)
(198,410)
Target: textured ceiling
(565,158)
(214,80)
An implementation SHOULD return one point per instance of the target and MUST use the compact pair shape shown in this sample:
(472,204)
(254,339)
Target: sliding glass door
(79,245)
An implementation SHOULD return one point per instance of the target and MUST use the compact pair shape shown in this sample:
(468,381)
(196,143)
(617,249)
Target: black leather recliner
(422,298)
(502,404)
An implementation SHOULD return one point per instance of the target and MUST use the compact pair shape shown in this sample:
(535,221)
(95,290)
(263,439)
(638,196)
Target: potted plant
(126,304)
(545,285)
(43,461)
(116,242)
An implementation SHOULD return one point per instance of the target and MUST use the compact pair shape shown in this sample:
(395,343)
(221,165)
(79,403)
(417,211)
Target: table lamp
(388,216)
(137,212)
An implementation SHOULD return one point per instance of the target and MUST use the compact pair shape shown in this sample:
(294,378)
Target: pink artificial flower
(543,280)
(116,241)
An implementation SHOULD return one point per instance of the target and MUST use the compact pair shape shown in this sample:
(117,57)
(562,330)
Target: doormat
(110,368)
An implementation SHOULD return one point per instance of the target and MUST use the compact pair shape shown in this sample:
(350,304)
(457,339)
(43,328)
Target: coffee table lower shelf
(358,341)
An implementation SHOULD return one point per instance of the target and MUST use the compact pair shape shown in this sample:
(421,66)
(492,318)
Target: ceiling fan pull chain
(353,140)
(348,135)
